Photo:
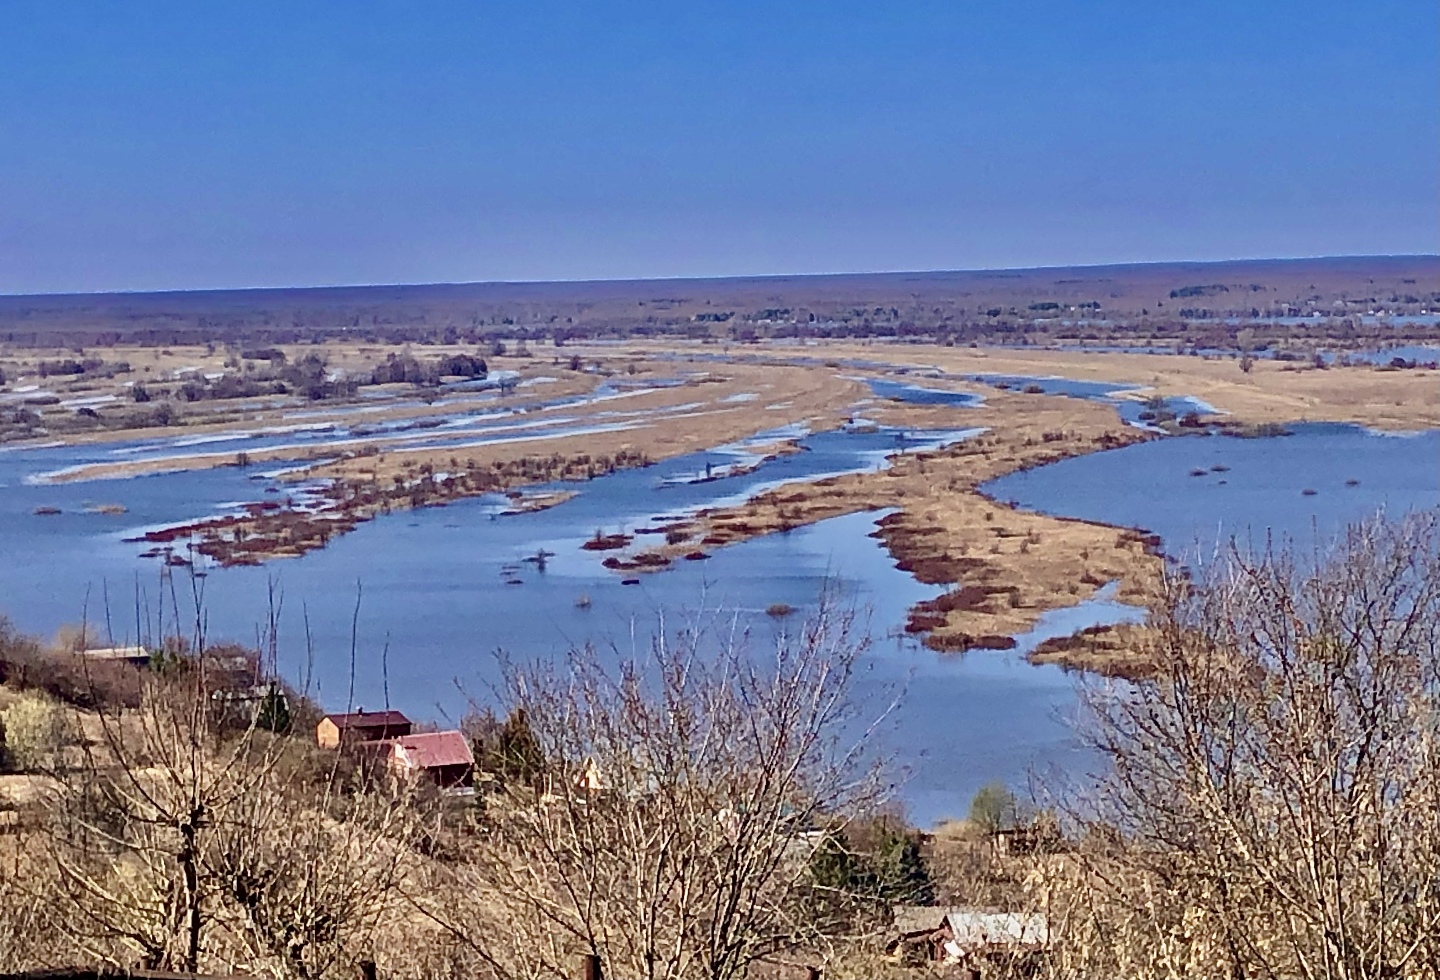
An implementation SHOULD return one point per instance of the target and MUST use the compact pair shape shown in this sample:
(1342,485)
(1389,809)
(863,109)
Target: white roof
(116,653)
(972,929)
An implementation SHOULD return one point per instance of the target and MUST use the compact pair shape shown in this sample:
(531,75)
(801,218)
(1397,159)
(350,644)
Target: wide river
(441,590)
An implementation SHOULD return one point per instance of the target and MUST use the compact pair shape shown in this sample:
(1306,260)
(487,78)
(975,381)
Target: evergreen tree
(834,867)
(901,869)
(843,891)
(274,715)
(518,754)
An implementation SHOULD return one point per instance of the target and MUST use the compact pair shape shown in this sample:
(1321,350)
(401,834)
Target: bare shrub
(30,938)
(670,811)
(188,840)
(36,731)
(1273,800)
(75,638)
(308,882)
(25,664)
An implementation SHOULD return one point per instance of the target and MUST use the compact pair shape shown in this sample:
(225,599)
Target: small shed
(971,933)
(915,932)
(968,937)
(442,757)
(360,726)
(135,656)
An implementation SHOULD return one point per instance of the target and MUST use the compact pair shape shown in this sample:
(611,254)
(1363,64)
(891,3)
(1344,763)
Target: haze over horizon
(725,278)
(168,147)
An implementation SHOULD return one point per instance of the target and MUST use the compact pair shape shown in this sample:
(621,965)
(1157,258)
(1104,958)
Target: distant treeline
(1188,327)
(251,373)
(1116,302)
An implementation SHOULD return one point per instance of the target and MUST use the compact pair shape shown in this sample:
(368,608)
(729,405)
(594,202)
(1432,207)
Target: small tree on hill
(274,712)
(519,757)
(993,808)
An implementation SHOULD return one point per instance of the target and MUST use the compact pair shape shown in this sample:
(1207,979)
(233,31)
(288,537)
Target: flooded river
(1199,492)
(442,589)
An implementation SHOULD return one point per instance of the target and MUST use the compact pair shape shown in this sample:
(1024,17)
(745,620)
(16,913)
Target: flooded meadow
(431,595)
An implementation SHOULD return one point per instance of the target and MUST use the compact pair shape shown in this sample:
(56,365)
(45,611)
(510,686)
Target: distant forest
(1332,300)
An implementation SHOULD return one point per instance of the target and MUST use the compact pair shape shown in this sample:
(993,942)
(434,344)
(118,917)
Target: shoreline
(368,481)
(1003,567)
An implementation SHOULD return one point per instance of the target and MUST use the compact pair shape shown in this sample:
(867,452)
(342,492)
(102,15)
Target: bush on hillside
(36,733)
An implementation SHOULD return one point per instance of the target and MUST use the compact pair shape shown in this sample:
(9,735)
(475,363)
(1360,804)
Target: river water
(441,590)
(1200,493)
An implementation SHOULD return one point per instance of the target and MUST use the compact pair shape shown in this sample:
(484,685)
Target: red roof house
(443,757)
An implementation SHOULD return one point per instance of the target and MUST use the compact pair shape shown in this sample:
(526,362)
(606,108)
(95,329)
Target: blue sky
(149,145)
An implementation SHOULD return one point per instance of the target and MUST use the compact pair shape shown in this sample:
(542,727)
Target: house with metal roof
(360,726)
(966,936)
(442,757)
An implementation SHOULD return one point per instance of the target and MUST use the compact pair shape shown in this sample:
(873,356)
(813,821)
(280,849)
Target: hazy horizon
(1159,263)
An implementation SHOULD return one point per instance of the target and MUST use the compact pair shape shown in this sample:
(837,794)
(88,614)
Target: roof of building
(912,919)
(433,750)
(368,719)
(116,653)
(971,929)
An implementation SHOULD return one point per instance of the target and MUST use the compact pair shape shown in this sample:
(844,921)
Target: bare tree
(311,875)
(1273,800)
(669,809)
(134,821)
(190,837)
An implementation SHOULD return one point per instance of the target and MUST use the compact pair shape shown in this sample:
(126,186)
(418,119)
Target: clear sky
(154,145)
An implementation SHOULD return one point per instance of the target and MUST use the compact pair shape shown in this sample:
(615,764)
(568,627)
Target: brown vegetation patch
(1014,564)
(1122,650)
(960,642)
(607,542)
(272,529)
(639,563)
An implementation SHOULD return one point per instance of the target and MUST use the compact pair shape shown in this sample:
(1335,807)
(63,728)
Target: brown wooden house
(360,726)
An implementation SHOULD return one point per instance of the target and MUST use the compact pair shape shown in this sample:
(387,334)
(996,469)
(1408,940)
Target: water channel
(442,589)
